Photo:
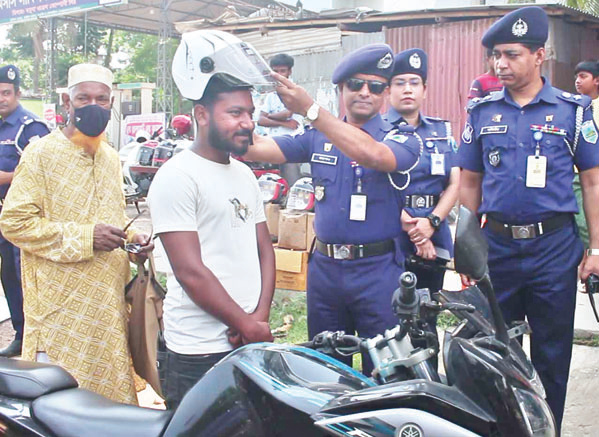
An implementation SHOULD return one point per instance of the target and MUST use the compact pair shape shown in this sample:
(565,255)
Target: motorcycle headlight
(537,384)
(536,413)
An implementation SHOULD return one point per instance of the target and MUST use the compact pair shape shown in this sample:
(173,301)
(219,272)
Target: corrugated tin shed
(451,37)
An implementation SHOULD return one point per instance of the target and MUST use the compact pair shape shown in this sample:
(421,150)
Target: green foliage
(590,6)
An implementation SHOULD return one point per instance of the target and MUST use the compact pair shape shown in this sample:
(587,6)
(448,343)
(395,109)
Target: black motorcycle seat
(78,412)
(30,380)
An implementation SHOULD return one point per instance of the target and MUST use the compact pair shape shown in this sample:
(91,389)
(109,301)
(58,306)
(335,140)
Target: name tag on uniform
(324,159)
(486,130)
(536,171)
(437,164)
(357,207)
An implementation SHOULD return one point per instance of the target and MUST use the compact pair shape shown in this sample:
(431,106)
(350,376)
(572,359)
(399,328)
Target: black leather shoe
(13,349)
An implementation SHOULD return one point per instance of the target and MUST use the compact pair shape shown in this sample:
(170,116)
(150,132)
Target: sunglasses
(133,219)
(137,247)
(375,86)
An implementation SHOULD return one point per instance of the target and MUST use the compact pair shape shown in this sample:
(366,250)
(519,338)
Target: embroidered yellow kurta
(73,295)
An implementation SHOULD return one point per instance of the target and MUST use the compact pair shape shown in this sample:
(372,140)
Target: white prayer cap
(89,73)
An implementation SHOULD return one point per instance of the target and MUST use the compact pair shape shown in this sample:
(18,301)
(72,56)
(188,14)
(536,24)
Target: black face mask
(91,120)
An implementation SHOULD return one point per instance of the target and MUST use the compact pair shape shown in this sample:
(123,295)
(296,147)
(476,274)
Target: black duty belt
(421,200)
(532,230)
(354,251)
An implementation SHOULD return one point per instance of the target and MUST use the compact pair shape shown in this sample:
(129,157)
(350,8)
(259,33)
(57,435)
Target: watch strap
(592,252)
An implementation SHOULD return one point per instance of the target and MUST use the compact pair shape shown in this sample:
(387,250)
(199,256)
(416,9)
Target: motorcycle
(142,158)
(264,389)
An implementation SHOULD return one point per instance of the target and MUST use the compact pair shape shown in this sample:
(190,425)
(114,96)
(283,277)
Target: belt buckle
(523,232)
(343,251)
(419,201)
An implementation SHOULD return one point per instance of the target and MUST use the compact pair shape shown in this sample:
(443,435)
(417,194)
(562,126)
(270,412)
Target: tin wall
(455,58)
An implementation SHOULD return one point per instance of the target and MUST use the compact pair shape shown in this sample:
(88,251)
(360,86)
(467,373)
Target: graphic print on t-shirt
(241,212)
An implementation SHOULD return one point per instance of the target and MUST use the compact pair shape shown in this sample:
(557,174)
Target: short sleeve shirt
(499,138)
(335,174)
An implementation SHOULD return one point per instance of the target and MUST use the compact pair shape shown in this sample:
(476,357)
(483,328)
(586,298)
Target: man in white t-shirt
(207,210)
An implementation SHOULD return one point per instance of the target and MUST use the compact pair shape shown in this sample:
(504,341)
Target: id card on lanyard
(536,166)
(358,200)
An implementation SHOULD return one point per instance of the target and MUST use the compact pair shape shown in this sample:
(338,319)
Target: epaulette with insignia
(476,101)
(436,119)
(578,99)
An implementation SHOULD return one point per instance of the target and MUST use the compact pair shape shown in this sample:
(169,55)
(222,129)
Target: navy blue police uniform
(357,260)
(526,155)
(427,181)
(17,130)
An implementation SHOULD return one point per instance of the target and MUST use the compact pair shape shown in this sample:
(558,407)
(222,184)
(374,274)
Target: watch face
(435,221)
(312,112)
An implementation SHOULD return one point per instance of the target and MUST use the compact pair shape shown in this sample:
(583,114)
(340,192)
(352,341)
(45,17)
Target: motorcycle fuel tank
(264,390)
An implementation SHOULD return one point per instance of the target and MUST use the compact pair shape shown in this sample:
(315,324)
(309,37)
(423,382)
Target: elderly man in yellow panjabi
(66,211)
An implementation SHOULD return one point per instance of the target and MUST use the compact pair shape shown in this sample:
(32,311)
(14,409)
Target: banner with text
(12,11)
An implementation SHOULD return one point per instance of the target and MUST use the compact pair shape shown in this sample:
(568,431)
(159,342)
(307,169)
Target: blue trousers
(537,279)
(352,296)
(10,274)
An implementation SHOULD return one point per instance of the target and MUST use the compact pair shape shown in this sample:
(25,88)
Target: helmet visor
(244,63)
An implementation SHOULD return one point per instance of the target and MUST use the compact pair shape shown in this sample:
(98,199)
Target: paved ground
(580,416)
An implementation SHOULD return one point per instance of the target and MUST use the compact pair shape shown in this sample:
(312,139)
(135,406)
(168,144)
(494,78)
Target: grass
(286,302)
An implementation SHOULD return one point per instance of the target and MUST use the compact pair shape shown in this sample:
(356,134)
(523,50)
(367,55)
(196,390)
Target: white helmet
(204,53)
(141,136)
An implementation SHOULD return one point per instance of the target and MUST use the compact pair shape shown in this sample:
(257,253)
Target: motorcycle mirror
(471,253)
(471,249)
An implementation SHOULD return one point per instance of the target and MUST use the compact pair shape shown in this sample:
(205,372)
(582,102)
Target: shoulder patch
(396,136)
(467,133)
(589,132)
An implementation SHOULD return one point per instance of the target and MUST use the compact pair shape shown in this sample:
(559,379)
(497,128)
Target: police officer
(357,260)
(433,188)
(517,154)
(18,127)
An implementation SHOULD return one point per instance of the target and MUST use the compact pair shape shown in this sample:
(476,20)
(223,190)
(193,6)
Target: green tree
(590,6)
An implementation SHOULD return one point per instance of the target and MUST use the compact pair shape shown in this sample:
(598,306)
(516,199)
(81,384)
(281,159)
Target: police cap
(528,25)
(10,74)
(412,61)
(374,59)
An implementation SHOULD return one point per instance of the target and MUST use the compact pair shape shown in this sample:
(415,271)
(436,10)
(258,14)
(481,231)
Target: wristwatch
(312,113)
(591,252)
(436,222)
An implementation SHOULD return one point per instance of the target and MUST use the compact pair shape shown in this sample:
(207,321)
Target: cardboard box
(292,268)
(272,212)
(292,230)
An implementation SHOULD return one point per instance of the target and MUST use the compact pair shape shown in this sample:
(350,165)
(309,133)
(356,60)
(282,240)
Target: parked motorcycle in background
(142,158)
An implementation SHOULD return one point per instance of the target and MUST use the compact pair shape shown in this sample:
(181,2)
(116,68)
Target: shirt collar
(546,94)
(15,115)
(395,117)
(376,124)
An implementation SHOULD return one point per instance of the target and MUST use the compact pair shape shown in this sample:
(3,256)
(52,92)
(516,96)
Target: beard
(220,142)
(89,144)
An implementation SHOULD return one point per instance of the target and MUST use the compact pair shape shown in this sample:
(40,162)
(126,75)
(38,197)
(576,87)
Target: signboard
(147,122)
(13,11)
(50,115)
